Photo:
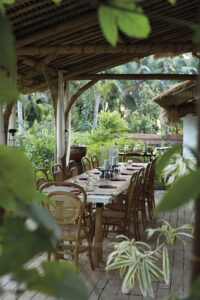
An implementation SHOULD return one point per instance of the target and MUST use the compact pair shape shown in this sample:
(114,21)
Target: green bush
(38,145)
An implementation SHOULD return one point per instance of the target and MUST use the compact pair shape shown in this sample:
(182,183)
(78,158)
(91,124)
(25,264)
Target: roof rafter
(97,48)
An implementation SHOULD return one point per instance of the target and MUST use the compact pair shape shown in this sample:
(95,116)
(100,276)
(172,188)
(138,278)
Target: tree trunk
(96,110)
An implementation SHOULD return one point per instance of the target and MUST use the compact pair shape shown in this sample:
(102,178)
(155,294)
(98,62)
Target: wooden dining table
(101,194)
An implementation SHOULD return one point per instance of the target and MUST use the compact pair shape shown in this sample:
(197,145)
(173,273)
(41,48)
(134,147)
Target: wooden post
(68,123)
(53,88)
(60,119)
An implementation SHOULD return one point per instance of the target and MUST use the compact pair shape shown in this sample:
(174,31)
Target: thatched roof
(68,37)
(181,93)
(178,101)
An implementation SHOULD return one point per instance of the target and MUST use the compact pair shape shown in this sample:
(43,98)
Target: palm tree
(102,89)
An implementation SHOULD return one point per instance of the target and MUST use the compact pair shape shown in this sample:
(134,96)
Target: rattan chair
(86,165)
(41,180)
(116,214)
(68,211)
(73,169)
(57,172)
(94,161)
(150,188)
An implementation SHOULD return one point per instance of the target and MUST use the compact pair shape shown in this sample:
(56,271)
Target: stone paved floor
(103,287)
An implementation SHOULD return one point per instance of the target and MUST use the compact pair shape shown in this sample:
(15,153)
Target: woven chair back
(133,190)
(138,189)
(57,172)
(86,165)
(41,180)
(67,207)
(73,169)
(94,161)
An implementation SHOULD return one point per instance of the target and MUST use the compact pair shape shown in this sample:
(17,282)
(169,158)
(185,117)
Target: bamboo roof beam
(37,65)
(136,77)
(89,18)
(88,67)
(81,49)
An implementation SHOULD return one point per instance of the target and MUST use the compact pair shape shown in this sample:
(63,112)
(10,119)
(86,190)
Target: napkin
(107,186)
(125,173)
(136,165)
(117,179)
(82,178)
(75,192)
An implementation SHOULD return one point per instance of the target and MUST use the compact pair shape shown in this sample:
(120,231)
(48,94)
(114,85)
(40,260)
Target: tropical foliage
(137,260)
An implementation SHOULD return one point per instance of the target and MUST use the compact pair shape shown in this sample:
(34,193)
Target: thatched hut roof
(178,101)
(68,37)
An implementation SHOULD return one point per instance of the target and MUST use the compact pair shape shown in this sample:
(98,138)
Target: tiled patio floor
(103,287)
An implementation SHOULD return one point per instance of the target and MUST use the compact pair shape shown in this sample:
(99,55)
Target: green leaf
(185,189)
(196,34)
(16,178)
(9,92)
(20,244)
(41,198)
(165,264)
(8,1)
(57,1)
(40,215)
(148,279)
(172,1)
(129,279)
(7,44)
(155,271)
(107,20)
(141,279)
(59,280)
(163,161)
(133,24)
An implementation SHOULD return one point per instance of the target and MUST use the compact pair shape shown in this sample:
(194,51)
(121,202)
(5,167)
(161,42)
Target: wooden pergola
(67,38)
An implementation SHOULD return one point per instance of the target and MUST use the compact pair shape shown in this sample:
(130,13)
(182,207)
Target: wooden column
(60,119)
(53,88)
(68,123)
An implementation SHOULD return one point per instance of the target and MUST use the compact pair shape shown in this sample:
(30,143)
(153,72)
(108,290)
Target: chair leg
(90,253)
(76,258)
(136,225)
(76,252)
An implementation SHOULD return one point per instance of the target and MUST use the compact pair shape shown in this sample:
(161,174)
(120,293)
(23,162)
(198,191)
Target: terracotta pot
(77,152)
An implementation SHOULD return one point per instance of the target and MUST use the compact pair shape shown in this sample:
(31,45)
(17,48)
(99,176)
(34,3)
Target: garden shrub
(38,145)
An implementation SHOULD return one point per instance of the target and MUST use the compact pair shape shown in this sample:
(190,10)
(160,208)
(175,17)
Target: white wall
(190,130)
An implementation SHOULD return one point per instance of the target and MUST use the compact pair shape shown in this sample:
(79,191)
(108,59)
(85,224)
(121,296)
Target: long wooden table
(100,196)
